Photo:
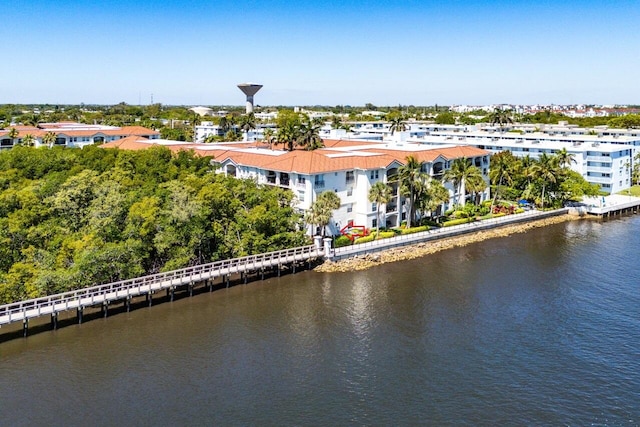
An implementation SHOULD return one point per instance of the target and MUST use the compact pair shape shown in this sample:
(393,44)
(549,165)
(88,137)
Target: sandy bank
(364,261)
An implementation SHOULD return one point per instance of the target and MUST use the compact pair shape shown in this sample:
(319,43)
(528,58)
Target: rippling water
(541,328)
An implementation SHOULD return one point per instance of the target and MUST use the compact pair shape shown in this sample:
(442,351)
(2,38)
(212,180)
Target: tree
(13,134)
(380,194)
(322,209)
(336,122)
(309,135)
(49,139)
(564,158)
(475,183)
(288,124)
(409,176)
(397,123)
(445,118)
(546,171)
(500,117)
(268,137)
(501,171)
(28,140)
(248,122)
(430,194)
(460,170)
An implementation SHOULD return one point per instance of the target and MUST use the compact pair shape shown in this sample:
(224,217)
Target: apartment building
(70,134)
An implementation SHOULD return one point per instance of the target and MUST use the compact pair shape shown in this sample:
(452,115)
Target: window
(374,223)
(350,208)
(319,181)
(302,180)
(350,191)
(301,195)
(374,174)
(350,177)
(374,206)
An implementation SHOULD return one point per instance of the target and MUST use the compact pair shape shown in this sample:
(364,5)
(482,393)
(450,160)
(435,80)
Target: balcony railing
(318,184)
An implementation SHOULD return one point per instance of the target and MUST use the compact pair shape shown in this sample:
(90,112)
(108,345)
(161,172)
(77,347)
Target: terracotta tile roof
(324,160)
(123,131)
(130,143)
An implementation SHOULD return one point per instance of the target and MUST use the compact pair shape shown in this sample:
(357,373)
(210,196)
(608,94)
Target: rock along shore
(364,261)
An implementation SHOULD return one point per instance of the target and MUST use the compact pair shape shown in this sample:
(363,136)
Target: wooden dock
(125,290)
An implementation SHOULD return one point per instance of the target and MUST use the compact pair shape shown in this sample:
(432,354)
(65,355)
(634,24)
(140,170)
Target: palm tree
(212,137)
(321,210)
(309,135)
(430,194)
(49,139)
(409,176)
(500,117)
(564,158)
(380,194)
(336,122)
(268,136)
(224,124)
(475,183)
(28,140)
(247,122)
(501,172)
(457,174)
(288,135)
(13,134)
(546,171)
(397,123)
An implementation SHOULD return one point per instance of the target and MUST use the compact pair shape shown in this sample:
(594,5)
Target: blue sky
(332,52)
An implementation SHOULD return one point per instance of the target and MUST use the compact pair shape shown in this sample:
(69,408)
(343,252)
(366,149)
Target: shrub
(341,241)
(498,215)
(460,214)
(457,221)
(519,210)
(414,229)
(386,234)
(365,239)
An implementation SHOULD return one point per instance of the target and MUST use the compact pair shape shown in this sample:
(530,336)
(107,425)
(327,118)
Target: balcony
(319,184)
(605,159)
(599,179)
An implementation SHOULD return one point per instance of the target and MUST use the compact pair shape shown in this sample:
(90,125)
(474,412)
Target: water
(541,328)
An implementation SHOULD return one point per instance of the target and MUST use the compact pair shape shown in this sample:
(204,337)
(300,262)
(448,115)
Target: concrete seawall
(399,251)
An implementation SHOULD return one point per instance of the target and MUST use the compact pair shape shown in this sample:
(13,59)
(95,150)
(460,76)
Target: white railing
(143,285)
(439,233)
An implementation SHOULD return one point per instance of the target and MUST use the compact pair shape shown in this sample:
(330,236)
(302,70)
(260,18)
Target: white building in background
(597,159)
(70,134)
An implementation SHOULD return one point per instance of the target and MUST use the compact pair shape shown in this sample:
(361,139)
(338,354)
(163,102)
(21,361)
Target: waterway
(541,328)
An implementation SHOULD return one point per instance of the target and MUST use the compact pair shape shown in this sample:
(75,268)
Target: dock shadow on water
(67,318)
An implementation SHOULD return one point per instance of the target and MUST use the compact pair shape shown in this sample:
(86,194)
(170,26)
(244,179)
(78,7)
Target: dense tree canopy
(72,218)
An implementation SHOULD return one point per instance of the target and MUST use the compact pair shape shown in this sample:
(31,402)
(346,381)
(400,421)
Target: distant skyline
(410,52)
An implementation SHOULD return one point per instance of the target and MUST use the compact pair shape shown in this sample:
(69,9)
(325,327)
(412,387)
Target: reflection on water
(539,328)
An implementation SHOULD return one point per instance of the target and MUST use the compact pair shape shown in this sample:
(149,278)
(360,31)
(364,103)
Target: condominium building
(70,134)
(348,168)
(599,160)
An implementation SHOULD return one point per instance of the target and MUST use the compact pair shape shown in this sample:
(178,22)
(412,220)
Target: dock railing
(103,294)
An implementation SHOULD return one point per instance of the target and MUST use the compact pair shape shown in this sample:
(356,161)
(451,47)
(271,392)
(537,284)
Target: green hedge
(385,234)
(519,210)
(365,239)
(414,229)
(457,221)
(341,241)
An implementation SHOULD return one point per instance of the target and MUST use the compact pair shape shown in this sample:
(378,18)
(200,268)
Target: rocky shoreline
(365,261)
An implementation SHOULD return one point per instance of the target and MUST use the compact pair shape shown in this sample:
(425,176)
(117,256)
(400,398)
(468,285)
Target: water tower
(249,89)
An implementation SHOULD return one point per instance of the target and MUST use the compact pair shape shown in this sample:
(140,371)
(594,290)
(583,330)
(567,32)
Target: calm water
(537,329)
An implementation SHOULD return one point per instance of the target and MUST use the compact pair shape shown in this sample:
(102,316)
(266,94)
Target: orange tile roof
(322,161)
(123,131)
